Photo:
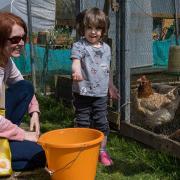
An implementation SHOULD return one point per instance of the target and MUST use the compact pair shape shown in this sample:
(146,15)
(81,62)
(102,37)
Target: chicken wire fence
(51,46)
(151,29)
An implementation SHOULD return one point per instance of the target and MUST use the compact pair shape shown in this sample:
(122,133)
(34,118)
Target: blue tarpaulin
(58,60)
(161,51)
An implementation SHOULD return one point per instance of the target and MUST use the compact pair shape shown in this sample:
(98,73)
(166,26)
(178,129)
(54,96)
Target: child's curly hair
(93,17)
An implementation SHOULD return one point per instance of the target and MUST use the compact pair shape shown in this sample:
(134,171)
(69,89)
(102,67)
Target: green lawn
(135,161)
(132,160)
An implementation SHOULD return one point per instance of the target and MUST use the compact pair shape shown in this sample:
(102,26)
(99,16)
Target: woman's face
(15,42)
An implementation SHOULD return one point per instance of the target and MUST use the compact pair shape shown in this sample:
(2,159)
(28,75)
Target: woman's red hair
(7,21)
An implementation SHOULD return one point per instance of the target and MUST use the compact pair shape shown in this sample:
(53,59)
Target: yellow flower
(4,164)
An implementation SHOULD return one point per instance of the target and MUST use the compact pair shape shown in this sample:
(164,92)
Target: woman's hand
(31,136)
(34,123)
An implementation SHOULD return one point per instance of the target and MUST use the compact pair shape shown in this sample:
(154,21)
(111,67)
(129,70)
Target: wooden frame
(158,142)
(63,87)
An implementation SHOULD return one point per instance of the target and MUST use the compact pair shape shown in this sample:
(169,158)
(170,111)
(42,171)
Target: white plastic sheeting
(139,25)
(42,12)
(5,5)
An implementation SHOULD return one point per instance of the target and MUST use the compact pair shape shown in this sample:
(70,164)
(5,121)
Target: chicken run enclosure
(144,39)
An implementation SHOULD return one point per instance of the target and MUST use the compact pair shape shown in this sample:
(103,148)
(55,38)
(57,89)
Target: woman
(20,98)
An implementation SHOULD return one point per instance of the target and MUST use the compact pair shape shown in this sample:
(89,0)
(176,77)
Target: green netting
(52,59)
(59,59)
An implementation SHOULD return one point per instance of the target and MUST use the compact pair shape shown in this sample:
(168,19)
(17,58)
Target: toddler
(91,75)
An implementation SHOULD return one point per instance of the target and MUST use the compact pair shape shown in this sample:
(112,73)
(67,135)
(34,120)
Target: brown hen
(157,108)
(144,87)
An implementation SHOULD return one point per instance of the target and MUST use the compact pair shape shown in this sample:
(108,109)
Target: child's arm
(113,91)
(76,70)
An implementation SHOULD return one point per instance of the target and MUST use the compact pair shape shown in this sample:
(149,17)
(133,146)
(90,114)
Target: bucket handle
(51,172)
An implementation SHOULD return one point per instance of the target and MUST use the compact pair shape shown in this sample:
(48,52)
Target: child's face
(93,34)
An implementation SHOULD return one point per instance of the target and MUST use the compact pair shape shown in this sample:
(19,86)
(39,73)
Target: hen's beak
(139,80)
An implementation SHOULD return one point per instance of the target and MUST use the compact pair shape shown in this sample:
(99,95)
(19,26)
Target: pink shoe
(105,159)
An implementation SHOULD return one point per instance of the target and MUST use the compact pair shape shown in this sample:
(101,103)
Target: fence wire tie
(49,171)
(125,104)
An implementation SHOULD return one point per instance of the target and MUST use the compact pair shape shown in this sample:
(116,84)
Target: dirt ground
(40,174)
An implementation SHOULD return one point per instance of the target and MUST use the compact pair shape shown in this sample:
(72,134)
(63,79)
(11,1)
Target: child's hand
(113,92)
(76,70)
(77,76)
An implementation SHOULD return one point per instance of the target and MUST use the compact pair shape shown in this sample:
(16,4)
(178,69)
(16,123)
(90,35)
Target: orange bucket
(72,153)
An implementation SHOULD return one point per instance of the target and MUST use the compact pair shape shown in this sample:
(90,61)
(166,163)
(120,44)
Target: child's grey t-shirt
(95,67)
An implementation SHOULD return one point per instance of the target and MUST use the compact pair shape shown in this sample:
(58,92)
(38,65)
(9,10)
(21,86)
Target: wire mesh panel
(91,3)
(65,12)
(139,32)
(151,30)
(164,8)
(52,42)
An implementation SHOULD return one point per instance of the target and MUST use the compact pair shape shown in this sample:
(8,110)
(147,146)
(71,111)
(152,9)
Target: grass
(54,114)
(132,160)
(135,161)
